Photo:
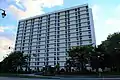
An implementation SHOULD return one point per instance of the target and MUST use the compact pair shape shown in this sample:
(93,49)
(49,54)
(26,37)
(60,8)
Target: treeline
(105,55)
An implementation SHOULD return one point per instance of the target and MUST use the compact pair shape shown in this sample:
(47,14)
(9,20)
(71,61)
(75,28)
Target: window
(75,9)
(88,27)
(54,63)
(58,28)
(58,24)
(58,32)
(89,36)
(58,36)
(23,40)
(54,58)
(76,29)
(57,58)
(58,54)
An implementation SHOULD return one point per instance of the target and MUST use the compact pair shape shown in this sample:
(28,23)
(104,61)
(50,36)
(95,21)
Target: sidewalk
(88,76)
(73,76)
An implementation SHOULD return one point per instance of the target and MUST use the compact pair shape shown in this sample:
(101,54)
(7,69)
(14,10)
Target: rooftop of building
(54,12)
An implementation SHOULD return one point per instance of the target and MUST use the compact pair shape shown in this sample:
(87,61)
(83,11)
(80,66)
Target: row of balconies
(62,44)
(69,45)
(47,41)
(44,18)
(81,29)
(51,60)
(63,21)
(54,37)
(48,30)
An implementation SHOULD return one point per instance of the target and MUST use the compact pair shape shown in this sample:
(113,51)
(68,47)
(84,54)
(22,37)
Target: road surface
(78,78)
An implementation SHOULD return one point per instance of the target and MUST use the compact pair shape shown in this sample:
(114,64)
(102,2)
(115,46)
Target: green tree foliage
(14,62)
(111,49)
(107,54)
(112,42)
(80,55)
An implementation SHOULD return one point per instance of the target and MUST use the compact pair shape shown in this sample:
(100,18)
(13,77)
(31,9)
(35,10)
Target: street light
(116,48)
(3,13)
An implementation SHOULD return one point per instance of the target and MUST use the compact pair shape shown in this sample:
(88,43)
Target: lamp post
(3,13)
(117,48)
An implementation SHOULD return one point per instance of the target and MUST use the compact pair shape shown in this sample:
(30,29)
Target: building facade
(47,37)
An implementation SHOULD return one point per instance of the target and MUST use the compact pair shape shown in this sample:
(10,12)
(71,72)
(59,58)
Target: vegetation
(14,62)
(105,55)
(79,56)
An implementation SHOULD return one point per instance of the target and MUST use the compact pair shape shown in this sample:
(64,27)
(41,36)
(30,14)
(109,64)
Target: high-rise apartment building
(47,37)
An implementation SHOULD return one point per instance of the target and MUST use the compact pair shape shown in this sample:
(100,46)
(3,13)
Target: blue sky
(105,13)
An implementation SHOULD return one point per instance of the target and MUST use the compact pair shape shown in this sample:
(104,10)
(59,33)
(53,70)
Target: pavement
(66,77)
(15,78)
(61,78)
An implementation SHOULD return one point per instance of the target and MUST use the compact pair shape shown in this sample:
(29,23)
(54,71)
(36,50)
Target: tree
(112,42)
(69,63)
(80,55)
(112,48)
(57,67)
(14,61)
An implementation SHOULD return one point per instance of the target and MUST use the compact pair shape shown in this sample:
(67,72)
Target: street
(78,78)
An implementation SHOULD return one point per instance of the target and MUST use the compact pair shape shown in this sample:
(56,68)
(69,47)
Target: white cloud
(117,11)
(10,28)
(7,38)
(113,22)
(113,25)
(33,7)
(104,22)
(98,24)
(4,46)
(1,29)
(96,10)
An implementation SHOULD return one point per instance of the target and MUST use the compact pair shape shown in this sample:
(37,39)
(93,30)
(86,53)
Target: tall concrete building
(47,37)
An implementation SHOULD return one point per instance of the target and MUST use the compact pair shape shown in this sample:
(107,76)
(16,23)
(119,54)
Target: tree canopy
(107,54)
(14,61)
